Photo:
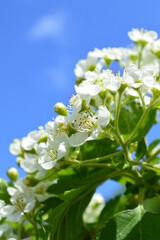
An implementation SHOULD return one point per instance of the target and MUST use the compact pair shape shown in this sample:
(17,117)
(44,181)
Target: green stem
(98,159)
(70,161)
(19,231)
(143,164)
(138,126)
(142,99)
(93,161)
(33,222)
(117,112)
(141,196)
(36,230)
(29,219)
(122,143)
(108,165)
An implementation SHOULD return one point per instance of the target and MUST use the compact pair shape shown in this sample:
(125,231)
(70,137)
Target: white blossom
(15,147)
(33,138)
(88,126)
(94,209)
(85,65)
(142,35)
(53,150)
(22,200)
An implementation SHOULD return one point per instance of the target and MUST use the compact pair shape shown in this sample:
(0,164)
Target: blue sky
(40,43)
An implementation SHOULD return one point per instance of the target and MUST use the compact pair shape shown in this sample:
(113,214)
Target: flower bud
(102,94)
(12,174)
(31,181)
(61,109)
(133,147)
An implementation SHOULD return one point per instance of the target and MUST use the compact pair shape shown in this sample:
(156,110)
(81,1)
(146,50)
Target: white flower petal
(15,147)
(89,89)
(4,228)
(94,134)
(61,150)
(8,210)
(28,143)
(29,166)
(11,191)
(29,207)
(103,116)
(15,217)
(78,139)
(49,165)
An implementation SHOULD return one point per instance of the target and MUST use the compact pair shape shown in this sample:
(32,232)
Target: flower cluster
(90,113)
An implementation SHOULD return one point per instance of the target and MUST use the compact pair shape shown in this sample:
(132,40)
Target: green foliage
(153,145)
(76,192)
(130,115)
(136,224)
(141,149)
(98,148)
(127,119)
(108,211)
(3,190)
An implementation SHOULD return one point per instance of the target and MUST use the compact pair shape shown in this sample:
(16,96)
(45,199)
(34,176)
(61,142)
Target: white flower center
(86,122)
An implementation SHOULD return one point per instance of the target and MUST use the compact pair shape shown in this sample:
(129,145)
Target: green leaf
(152,204)
(61,220)
(108,211)
(75,191)
(146,125)
(3,190)
(52,202)
(153,145)
(141,149)
(72,225)
(130,115)
(77,180)
(98,148)
(136,224)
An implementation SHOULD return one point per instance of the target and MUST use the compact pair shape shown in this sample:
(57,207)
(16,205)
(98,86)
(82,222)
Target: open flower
(135,77)
(85,65)
(52,151)
(97,82)
(89,125)
(30,165)
(22,200)
(109,54)
(155,48)
(142,36)
(34,137)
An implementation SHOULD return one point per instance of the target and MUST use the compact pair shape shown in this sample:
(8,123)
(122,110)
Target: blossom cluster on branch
(100,109)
